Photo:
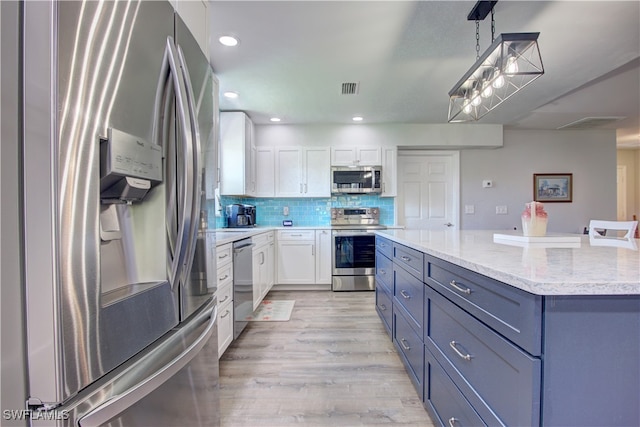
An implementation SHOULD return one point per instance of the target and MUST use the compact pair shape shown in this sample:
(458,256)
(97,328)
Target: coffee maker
(240,216)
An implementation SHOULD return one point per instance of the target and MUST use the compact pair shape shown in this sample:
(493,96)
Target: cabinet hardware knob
(223,256)
(454,284)
(452,422)
(226,313)
(226,297)
(454,346)
(404,294)
(405,258)
(223,278)
(404,344)
(383,307)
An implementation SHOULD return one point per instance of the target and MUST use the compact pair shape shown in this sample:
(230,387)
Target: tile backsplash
(305,212)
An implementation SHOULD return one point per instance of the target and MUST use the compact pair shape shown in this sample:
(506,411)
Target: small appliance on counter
(241,216)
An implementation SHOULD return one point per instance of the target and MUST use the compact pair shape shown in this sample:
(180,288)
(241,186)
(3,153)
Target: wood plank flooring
(331,364)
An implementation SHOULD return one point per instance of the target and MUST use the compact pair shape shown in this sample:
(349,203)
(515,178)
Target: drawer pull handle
(382,271)
(405,258)
(452,422)
(404,344)
(223,256)
(463,290)
(453,345)
(226,313)
(404,294)
(226,297)
(383,307)
(223,278)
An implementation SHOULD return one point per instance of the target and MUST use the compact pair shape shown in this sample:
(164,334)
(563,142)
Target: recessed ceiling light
(357,119)
(275,119)
(228,40)
(231,95)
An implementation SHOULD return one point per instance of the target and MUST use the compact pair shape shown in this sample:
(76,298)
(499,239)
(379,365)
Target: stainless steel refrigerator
(118,107)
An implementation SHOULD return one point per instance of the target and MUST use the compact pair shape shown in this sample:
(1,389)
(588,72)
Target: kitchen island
(510,333)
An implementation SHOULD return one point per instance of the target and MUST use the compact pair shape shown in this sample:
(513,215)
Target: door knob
(448,224)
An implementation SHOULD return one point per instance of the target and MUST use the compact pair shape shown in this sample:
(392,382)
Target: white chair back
(614,229)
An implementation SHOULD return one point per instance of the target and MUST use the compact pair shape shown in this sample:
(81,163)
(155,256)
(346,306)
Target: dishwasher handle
(240,248)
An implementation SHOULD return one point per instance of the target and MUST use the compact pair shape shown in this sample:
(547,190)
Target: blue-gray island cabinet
(515,335)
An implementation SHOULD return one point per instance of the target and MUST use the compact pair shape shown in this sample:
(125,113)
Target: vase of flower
(534,220)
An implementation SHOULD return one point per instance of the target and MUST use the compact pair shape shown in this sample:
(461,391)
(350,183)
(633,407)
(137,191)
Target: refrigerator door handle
(196,188)
(185,191)
(121,402)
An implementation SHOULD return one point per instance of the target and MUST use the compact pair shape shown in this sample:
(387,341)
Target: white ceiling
(294,56)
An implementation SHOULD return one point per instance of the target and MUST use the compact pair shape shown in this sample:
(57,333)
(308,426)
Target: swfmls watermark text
(24,414)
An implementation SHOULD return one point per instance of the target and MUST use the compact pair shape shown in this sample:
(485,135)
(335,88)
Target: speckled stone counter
(589,269)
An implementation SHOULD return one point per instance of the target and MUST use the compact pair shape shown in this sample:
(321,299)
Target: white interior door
(428,189)
(622,193)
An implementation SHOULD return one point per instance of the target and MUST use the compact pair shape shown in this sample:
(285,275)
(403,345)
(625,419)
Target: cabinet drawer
(385,246)
(410,259)
(225,293)
(443,399)
(409,293)
(224,254)
(496,372)
(384,307)
(225,327)
(262,239)
(411,349)
(297,235)
(510,311)
(225,275)
(384,270)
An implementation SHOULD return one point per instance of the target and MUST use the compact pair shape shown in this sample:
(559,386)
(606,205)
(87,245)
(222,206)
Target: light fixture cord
(477,39)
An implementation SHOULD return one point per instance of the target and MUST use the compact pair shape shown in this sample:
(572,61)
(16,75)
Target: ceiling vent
(592,122)
(350,88)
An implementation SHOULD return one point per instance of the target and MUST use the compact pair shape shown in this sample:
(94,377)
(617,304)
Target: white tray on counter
(548,241)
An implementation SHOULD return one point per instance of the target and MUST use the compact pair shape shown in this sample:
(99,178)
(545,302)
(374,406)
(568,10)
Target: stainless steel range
(353,252)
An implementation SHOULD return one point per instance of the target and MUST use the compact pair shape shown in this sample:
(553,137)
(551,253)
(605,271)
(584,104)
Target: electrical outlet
(285,210)
(501,210)
(469,209)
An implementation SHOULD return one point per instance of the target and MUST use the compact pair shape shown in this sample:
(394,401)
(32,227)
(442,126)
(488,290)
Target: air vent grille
(350,88)
(591,122)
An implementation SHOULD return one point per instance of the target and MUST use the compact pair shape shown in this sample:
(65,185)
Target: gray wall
(590,155)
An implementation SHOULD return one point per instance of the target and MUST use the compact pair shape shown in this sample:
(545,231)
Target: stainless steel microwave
(356,180)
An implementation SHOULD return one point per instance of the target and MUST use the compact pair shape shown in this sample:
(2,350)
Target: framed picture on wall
(552,187)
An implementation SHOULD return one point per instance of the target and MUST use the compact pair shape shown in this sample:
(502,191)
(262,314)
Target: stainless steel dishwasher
(242,284)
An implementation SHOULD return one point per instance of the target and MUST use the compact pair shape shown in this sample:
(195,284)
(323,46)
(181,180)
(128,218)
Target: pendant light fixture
(511,62)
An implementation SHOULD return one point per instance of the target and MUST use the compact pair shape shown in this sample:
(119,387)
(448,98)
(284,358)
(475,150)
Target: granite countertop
(541,269)
(230,235)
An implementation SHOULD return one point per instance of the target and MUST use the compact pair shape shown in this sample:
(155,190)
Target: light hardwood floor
(331,364)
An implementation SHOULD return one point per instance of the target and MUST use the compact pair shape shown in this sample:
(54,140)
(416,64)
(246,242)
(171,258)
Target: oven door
(353,253)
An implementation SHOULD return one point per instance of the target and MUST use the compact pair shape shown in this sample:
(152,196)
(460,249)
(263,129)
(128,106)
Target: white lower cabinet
(323,257)
(263,259)
(296,257)
(224,280)
(304,257)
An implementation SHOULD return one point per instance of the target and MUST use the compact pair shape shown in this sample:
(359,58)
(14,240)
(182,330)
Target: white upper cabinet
(194,15)
(360,156)
(265,172)
(389,172)
(302,172)
(237,155)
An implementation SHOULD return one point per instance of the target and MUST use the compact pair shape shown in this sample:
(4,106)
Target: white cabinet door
(265,172)
(361,156)
(389,172)
(316,169)
(225,326)
(323,257)
(296,261)
(257,285)
(194,15)
(237,155)
(288,172)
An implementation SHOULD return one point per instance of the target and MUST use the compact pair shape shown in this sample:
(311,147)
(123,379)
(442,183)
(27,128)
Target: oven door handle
(351,232)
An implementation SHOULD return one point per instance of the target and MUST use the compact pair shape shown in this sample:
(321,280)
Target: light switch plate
(487,183)
(469,209)
(501,210)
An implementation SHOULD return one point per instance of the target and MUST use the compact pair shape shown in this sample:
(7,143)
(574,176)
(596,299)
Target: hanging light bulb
(467,108)
(475,98)
(512,65)
(498,79)
(487,90)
